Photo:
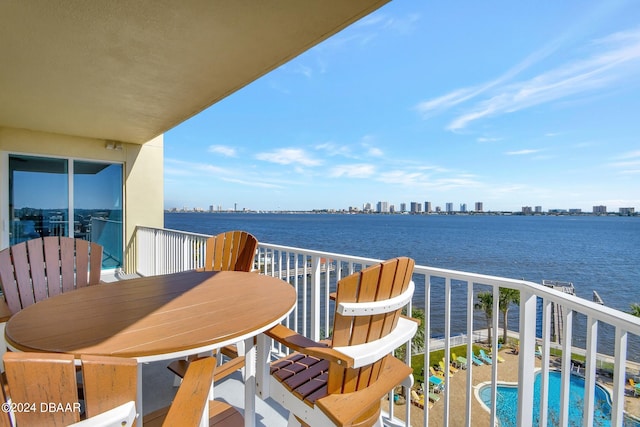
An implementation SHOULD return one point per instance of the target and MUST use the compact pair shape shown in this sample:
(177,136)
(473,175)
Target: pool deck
(508,372)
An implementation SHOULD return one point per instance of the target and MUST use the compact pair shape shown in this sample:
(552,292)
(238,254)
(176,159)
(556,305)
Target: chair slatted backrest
(50,379)
(230,251)
(41,268)
(379,282)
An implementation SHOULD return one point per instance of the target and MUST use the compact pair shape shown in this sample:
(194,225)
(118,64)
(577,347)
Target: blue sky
(508,103)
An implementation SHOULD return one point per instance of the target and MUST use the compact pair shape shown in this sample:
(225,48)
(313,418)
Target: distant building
(538,209)
(626,211)
(383,207)
(427,207)
(416,207)
(392,209)
(479,207)
(403,207)
(449,207)
(463,207)
(575,211)
(366,207)
(526,210)
(600,210)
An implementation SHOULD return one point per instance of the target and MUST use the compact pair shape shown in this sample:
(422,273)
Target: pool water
(507,403)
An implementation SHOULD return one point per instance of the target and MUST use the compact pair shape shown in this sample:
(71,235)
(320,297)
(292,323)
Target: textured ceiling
(131,70)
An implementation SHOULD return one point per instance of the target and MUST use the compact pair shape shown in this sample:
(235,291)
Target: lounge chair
(459,360)
(434,397)
(452,369)
(539,352)
(436,384)
(635,386)
(485,358)
(498,358)
(436,373)
(417,400)
(476,360)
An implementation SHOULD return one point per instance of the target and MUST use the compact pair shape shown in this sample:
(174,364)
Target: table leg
(139,395)
(262,366)
(249,383)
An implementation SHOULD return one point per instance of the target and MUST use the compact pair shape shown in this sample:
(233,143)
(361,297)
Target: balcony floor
(158,392)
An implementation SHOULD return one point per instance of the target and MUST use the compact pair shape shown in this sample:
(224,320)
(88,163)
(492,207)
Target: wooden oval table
(157,318)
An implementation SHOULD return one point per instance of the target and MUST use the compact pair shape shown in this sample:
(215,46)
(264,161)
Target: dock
(557,322)
(597,299)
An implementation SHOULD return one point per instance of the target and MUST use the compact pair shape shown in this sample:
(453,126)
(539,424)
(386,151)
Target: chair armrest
(5,313)
(123,415)
(307,346)
(346,408)
(192,397)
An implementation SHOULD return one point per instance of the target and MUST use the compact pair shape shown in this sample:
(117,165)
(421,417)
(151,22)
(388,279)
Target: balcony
(448,298)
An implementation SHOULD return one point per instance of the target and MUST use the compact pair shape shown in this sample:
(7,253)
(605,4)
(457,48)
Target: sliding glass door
(66,197)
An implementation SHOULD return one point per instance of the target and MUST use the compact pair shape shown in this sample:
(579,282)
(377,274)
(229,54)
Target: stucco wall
(143,173)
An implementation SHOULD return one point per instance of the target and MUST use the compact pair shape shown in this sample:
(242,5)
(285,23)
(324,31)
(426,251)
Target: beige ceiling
(129,70)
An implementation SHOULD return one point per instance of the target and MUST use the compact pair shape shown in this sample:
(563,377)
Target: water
(507,403)
(595,253)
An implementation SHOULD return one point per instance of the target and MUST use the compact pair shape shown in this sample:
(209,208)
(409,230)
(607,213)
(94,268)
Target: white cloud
(286,156)
(617,57)
(257,183)
(444,102)
(486,139)
(402,177)
(333,149)
(358,170)
(630,155)
(521,152)
(627,163)
(223,149)
(375,152)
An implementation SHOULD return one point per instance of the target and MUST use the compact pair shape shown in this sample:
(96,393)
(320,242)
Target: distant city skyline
(452,102)
(418,208)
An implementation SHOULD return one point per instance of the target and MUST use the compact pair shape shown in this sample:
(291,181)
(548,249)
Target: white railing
(165,251)
(162,251)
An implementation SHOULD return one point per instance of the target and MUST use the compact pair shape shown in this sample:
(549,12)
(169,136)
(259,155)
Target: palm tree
(485,304)
(507,297)
(417,342)
(635,309)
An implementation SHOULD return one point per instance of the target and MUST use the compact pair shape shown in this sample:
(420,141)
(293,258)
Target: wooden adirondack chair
(50,379)
(228,251)
(109,393)
(343,383)
(37,269)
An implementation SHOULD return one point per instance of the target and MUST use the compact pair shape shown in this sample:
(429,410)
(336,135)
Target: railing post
(187,253)
(315,298)
(469,355)
(565,382)
(590,371)
(619,377)
(544,381)
(526,359)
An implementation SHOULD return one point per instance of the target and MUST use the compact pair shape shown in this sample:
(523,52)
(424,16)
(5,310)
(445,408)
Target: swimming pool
(507,403)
